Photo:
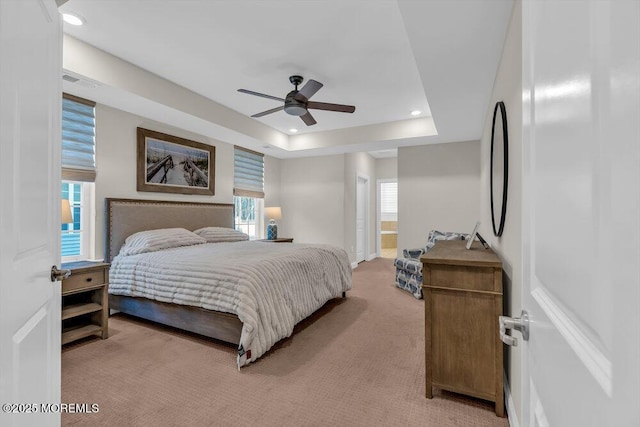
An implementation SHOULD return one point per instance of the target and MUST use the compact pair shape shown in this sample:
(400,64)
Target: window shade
(389,197)
(78,139)
(248,173)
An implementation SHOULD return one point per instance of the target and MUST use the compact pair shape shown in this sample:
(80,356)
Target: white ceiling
(385,57)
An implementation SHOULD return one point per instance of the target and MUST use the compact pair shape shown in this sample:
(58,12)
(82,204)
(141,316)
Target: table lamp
(272,214)
(65,212)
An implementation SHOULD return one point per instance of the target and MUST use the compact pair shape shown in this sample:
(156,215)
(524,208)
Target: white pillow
(221,234)
(155,240)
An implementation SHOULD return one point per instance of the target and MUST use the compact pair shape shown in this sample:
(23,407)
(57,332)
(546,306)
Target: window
(389,201)
(249,213)
(78,175)
(248,191)
(75,236)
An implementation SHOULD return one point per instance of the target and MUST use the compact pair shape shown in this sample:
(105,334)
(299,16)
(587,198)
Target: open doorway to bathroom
(388,217)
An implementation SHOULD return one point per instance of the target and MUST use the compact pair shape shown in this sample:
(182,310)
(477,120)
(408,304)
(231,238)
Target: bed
(250,294)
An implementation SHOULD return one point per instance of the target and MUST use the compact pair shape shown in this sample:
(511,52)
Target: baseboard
(369,258)
(511,409)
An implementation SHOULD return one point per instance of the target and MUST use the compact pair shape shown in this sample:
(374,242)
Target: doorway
(362,217)
(387,228)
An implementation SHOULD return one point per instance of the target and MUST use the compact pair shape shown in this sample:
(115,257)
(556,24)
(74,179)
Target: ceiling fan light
(295,110)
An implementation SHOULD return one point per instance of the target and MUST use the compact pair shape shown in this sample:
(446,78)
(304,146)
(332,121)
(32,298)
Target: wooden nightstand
(85,302)
(279,240)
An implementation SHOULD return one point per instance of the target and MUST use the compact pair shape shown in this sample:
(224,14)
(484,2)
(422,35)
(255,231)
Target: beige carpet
(357,362)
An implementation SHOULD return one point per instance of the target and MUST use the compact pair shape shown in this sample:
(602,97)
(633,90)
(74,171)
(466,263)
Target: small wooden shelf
(81,290)
(74,334)
(80,309)
(85,303)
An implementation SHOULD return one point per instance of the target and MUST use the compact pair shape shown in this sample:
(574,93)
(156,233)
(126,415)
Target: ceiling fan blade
(308,90)
(308,119)
(331,107)
(273,110)
(250,92)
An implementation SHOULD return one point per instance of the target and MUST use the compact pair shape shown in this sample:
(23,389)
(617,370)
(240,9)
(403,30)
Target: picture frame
(475,234)
(472,236)
(170,164)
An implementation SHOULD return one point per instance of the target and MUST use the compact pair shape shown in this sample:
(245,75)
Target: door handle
(57,274)
(515,323)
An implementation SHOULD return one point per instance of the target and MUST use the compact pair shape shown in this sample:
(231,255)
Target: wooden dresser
(463,299)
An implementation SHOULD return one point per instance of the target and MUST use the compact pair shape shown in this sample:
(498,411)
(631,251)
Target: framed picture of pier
(169,164)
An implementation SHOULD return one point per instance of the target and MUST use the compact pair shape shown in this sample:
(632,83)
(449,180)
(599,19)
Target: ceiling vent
(79,80)
(69,78)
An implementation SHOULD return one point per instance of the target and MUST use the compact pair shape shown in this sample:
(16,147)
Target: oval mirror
(499,173)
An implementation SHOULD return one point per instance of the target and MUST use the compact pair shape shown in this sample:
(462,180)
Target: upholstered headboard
(127,216)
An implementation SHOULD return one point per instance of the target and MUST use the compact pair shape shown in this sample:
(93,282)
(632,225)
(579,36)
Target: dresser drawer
(84,280)
(463,277)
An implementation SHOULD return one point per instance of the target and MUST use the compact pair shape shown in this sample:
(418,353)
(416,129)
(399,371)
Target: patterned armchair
(409,268)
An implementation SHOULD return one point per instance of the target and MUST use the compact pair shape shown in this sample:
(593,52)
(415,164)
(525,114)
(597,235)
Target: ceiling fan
(297,101)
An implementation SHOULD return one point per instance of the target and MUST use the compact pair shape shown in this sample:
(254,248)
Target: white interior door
(361,217)
(30,104)
(581,205)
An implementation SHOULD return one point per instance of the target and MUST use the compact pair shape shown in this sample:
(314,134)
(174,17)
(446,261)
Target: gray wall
(387,168)
(116,165)
(508,88)
(312,199)
(317,195)
(438,188)
(271,183)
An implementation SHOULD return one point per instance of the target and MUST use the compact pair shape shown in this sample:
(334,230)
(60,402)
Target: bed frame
(127,216)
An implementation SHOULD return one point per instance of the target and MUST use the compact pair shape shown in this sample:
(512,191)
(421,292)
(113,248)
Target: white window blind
(78,139)
(248,173)
(389,197)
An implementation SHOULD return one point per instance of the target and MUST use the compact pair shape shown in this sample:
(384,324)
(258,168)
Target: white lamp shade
(65,213)
(273,212)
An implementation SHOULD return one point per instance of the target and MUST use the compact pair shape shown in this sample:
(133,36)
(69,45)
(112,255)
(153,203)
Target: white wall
(438,188)
(508,88)
(312,199)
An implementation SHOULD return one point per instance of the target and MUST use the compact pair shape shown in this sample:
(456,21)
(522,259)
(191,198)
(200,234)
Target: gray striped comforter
(269,286)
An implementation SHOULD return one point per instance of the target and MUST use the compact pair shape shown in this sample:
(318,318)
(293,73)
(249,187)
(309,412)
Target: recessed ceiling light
(293,130)
(73,19)
(416,112)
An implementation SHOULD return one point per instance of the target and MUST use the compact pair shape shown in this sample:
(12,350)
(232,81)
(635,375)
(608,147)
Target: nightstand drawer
(84,280)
